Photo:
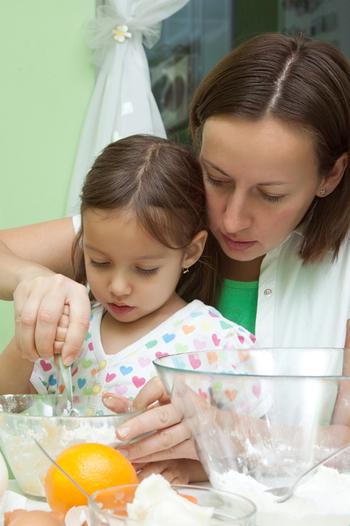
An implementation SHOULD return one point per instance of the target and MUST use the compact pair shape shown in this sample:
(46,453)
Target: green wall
(46,81)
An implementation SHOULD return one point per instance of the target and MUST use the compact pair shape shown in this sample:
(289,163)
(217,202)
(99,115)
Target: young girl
(140,250)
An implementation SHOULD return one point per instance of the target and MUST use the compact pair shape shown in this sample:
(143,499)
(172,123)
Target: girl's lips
(120,309)
(238,245)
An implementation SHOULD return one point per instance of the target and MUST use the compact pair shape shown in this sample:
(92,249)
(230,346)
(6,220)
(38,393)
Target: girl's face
(129,272)
(260,178)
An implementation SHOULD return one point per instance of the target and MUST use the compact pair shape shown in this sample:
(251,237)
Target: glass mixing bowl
(25,417)
(229,509)
(262,417)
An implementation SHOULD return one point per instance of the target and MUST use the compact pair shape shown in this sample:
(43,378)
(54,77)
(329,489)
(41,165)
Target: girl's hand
(175,471)
(33,518)
(170,438)
(39,305)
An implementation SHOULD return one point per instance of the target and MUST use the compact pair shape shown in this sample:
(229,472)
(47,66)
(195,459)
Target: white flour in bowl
(322,500)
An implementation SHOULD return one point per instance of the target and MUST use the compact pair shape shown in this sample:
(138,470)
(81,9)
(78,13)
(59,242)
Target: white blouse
(303,305)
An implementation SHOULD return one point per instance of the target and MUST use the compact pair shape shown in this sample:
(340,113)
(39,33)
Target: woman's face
(260,178)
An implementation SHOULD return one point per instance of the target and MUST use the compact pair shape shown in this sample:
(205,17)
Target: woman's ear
(195,249)
(333,178)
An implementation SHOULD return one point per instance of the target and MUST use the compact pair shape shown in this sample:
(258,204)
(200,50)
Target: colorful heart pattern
(168,337)
(46,366)
(110,377)
(126,370)
(144,361)
(138,381)
(52,380)
(202,329)
(194,361)
(81,382)
(161,354)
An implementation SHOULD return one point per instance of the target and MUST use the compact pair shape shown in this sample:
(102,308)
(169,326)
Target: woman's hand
(170,437)
(41,316)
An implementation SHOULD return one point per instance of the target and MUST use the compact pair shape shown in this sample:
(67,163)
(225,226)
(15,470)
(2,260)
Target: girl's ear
(195,249)
(335,175)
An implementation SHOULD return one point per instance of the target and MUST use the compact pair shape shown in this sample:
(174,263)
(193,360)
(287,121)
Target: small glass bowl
(230,509)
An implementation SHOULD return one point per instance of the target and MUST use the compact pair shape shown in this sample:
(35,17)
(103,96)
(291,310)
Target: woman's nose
(237,214)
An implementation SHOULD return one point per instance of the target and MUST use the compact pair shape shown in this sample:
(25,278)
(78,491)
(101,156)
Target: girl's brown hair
(162,182)
(305,83)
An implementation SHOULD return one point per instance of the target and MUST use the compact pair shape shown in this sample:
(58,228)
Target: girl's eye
(272,198)
(147,271)
(98,263)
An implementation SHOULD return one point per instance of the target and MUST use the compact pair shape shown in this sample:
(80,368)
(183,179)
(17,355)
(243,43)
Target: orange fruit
(93,466)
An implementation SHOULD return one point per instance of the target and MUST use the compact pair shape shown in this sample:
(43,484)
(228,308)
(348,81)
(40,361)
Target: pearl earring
(185,270)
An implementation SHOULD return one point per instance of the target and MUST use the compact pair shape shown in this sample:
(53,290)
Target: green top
(238,302)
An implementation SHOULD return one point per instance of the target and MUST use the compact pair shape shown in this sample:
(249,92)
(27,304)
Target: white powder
(156,503)
(322,500)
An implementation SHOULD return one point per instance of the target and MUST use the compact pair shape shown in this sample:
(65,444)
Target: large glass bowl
(25,417)
(229,509)
(262,417)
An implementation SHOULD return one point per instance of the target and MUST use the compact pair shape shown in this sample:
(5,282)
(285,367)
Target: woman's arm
(341,414)
(25,251)
(30,258)
(15,372)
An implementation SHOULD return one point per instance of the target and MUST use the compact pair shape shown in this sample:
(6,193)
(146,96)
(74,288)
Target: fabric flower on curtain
(122,102)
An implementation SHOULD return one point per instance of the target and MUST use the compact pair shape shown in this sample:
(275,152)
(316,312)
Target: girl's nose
(120,285)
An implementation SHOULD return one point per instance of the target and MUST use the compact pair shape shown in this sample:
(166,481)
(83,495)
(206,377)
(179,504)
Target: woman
(271,123)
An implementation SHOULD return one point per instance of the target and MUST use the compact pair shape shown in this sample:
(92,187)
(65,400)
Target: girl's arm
(33,260)
(15,371)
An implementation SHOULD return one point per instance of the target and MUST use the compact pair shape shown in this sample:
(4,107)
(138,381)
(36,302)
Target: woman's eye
(216,182)
(146,271)
(272,198)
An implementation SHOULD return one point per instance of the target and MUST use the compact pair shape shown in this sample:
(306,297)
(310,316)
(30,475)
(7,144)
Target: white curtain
(122,103)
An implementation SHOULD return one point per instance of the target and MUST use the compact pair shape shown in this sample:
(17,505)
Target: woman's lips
(238,245)
(120,309)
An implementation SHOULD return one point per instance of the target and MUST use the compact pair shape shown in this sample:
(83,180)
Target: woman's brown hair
(162,182)
(306,84)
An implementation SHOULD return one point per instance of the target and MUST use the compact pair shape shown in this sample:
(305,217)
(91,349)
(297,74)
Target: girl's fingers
(64,319)
(153,391)
(48,319)
(175,475)
(79,317)
(173,470)
(57,347)
(150,468)
(117,403)
(60,334)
